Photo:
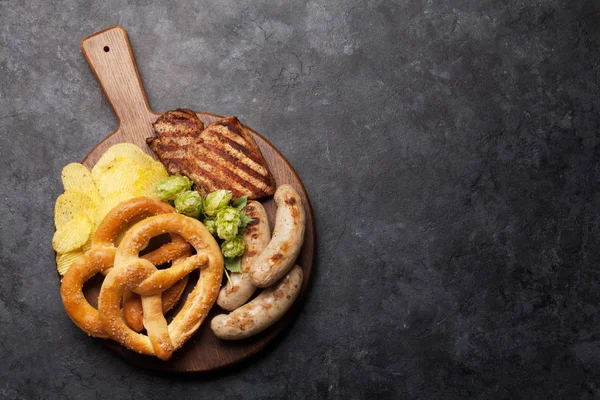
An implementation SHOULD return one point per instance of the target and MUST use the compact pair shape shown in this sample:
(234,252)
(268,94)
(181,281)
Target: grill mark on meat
(208,181)
(214,177)
(238,164)
(173,169)
(244,143)
(214,172)
(243,186)
(223,139)
(234,128)
(178,123)
(231,125)
(230,169)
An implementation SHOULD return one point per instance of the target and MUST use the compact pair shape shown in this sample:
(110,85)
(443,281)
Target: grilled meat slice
(181,122)
(229,158)
(175,131)
(222,156)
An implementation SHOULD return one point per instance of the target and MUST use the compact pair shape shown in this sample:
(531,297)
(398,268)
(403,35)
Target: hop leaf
(240,203)
(233,264)
(245,220)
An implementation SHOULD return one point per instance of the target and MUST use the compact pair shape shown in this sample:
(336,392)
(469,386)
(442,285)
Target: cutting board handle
(110,57)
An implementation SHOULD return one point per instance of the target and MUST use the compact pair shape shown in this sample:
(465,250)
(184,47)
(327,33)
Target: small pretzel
(132,273)
(100,258)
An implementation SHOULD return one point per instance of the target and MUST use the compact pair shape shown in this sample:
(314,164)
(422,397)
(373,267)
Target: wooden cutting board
(110,57)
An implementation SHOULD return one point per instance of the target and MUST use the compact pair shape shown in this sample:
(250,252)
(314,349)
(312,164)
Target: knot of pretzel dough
(138,275)
(100,259)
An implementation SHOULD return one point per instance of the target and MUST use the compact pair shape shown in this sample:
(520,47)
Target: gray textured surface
(451,152)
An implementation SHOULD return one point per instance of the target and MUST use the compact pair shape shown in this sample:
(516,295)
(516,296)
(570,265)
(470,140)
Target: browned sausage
(267,308)
(283,249)
(256,236)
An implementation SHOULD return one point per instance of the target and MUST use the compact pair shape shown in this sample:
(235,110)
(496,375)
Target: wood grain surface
(110,57)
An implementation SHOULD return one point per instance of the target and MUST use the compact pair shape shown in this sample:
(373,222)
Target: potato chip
(110,202)
(88,245)
(73,234)
(94,194)
(122,150)
(123,172)
(77,176)
(71,203)
(64,261)
(145,184)
(158,167)
(93,216)
(120,175)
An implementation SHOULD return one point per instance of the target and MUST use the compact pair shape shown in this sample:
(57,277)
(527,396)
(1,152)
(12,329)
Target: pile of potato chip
(123,172)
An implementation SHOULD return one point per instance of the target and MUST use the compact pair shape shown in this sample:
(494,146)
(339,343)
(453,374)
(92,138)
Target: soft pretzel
(132,303)
(132,273)
(100,258)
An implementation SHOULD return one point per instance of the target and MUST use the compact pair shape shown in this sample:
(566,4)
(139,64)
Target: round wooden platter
(110,57)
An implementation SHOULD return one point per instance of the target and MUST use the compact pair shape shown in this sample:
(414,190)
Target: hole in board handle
(106,49)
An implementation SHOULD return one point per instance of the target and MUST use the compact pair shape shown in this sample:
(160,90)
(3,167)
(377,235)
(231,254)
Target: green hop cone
(233,247)
(189,203)
(216,200)
(228,222)
(211,225)
(170,187)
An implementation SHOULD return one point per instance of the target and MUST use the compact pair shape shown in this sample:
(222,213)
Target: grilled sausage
(283,249)
(256,236)
(267,308)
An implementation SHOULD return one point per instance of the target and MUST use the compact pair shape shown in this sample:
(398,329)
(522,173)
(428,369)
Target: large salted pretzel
(160,289)
(100,258)
(132,273)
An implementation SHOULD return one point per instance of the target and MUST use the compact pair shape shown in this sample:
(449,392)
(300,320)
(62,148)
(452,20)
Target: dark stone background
(450,149)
